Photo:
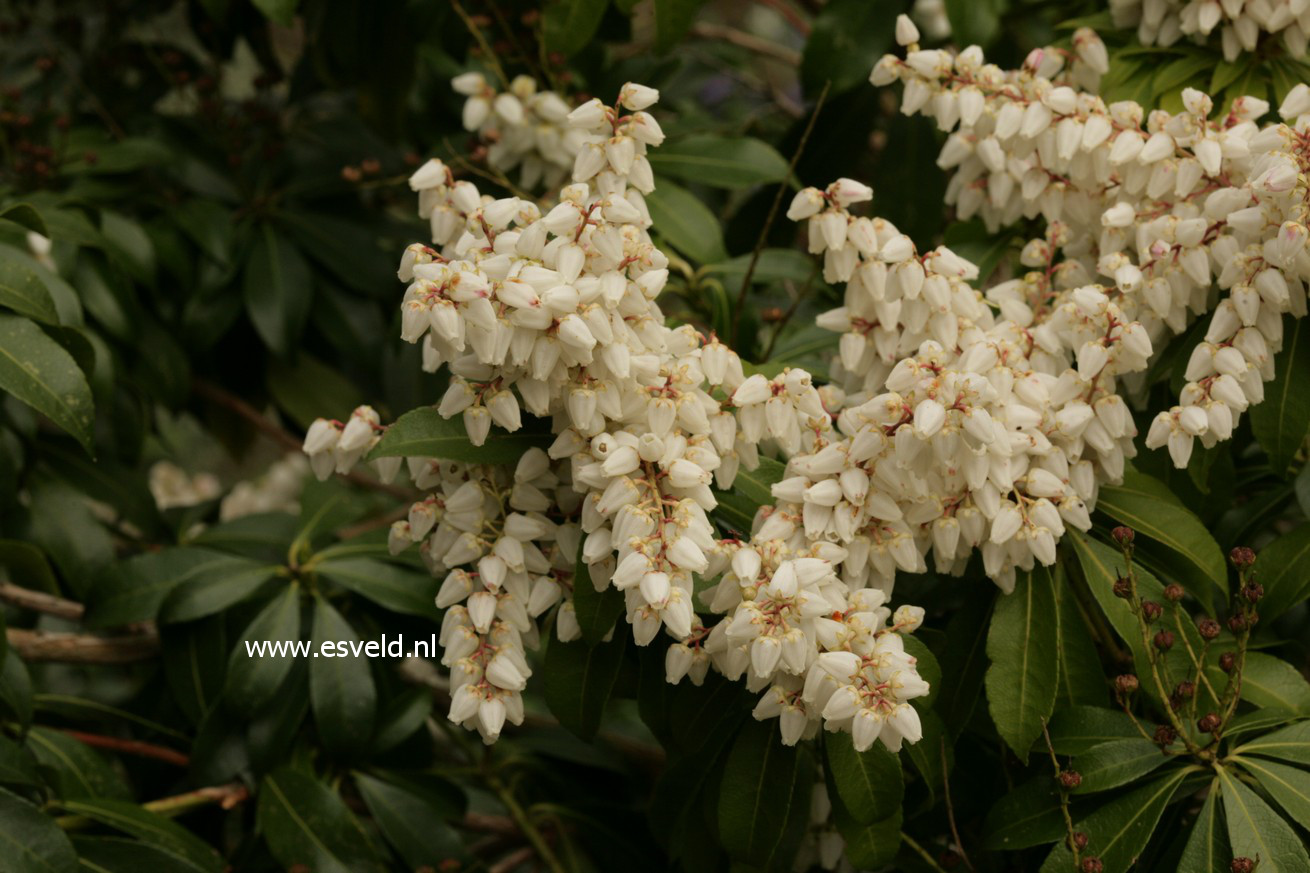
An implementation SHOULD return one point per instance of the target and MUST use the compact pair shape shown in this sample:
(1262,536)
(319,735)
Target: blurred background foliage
(201,208)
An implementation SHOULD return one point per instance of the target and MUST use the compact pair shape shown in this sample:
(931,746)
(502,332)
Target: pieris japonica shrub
(661,435)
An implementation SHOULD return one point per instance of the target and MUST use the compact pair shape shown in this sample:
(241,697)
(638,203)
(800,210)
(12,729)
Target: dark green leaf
(400,717)
(310,389)
(1028,816)
(1021,644)
(872,846)
(195,663)
(847,39)
(1292,743)
(24,215)
(1271,681)
(21,287)
(278,290)
(149,827)
(17,766)
(306,823)
(686,223)
(1280,422)
(774,265)
(36,369)
(214,590)
(1116,763)
(764,798)
(30,841)
(869,783)
(132,590)
(395,588)
(720,161)
(1281,569)
(341,688)
(28,566)
(1207,848)
(15,690)
(281,11)
(597,611)
(673,19)
(408,819)
(253,679)
(1079,729)
(1082,680)
(750,490)
(1256,831)
(79,770)
(569,25)
(964,661)
(975,22)
(1288,786)
(123,855)
(423,433)
(579,679)
(264,536)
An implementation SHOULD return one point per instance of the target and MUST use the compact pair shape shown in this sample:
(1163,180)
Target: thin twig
(748,41)
(476,33)
(83,648)
(512,861)
(39,601)
(1064,799)
(922,852)
(787,316)
(226,796)
(130,747)
(534,836)
(950,809)
(794,18)
(773,211)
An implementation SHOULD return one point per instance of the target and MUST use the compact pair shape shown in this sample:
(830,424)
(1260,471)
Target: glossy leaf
(1271,681)
(341,688)
(134,589)
(1281,569)
(423,433)
(306,823)
(1116,763)
(569,25)
(1079,729)
(1207,848)
(1256,831)
(720,161)
(149,827)
(1021,644)
(252,680)
(1282,420)
(869,783)
(1291,743)
(79,771)
(773,265)
(39,372)
(596,611)
(686,223)
(24,215)
(278,290)
(1028,816)
(872,846)
(764,798)
(847,38)
(214,590)
(578,681)
(22,289)
(750,490)
(1081,678)
(17,765)
(406,818)
(1288,786)
(396,588)
(30,841)
(673,18)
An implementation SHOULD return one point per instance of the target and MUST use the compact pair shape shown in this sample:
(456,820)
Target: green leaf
(964,661)
(1282,420)
(975,22)
(30,841)
(310,389)
(720,161)
(872,846)
(1271,681)
(1146,505)
(209,225)
(406,817)
(569,25)
(423,433)
(1028,816)
(1119,830)
(253,679)
(278,290)
(1116,763)
(1207,848)
(1021,644)
(774,265)
(869,783)
(341,688)
(149,827)
(124,855)
(1260,720)
(1281,569)
(133,590)
(847,38)
(79,771)
(1292,743)
(281,11)
(673,18)
(400,717)
(597,611)
(21,287)
(36,370)
(1288,786)
(395,588)
(214,590)
(686,223)
(17,765)
(578,681)
(306,823)
(1081,678)
(263,535)
(1256,831)
(764,799)
(750,490)
(28,566)
(1080,729)
(195,664)
(15,690)
(24,215)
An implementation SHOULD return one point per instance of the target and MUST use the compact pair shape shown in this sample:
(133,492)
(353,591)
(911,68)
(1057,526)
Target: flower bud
(1241,865)
(1164,640)
(1151,610)
(1237,623)
(1253,591)
(1208,723)
(1208,628)
(1227,661)
(1070,779)
(1125,683)
(1242,557)
(1173,592)
(1165,735)
(1123,535)
(1092,865)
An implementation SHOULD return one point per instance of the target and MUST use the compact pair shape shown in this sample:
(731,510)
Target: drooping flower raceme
(1241,23)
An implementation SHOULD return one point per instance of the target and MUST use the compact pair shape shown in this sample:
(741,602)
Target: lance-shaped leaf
(1282,420)
(1281,569)
(869,783)
(764,798)
(39,372)
(1288,786)
(423,433)
(1028,816)
(721,161)
(1256,831)
(1022,646)
(151,828)
(1292,743)
(341,688)
(307,824)
(596,610)
(750,490)
(579,679)
(1207,848)
(253,679)
(30,841)
(1116,763)
(687,223)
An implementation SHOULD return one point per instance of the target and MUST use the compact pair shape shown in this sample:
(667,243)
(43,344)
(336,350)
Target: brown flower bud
(1164,640)
(1208,628)
(1185,689)
(1227,661)
(1125,683)
(1123,535)
(1208,723)
(1079,840)
(1242,865)
(1173,592)
(1242,557)
(1123,587)
(1237,623)
(1092,865)
(1151,610)
(1164,735)
(1070,779)
(1253,591)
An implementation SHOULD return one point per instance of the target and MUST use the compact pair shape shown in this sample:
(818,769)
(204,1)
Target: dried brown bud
(1125,683)
(1208,723)
(1242,865)
(1185,689)
(351,174)
(1123,535)
(1070,779)
(1092,865)
(1151,610)
(1164,640)
(1227,661)
(1236,623)
(1173,592)
(1164,735)
(1208,628)
(1079,840)
(1242,557)
(1123,587)
(1253,591)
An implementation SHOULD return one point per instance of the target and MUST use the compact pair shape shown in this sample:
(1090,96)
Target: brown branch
(130,747)
(794,18)
(748,41)
(66,648)
(950,810)
(226,796)
(281,435)
(39,601)
(491,824)
(513,861)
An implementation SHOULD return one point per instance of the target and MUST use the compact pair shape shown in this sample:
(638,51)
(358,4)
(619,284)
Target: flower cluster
(1159,206)
(521,127)
(1240,23)
(555,313)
